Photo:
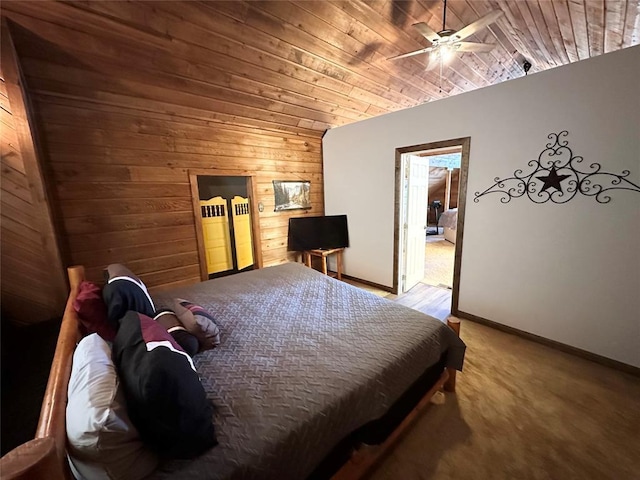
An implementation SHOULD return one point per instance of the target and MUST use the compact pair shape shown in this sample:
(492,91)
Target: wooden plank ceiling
(304,65)
(132,95)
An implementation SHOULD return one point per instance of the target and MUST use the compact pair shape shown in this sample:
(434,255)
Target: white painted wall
(571,272)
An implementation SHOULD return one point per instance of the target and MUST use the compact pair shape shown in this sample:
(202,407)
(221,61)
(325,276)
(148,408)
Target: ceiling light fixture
(443,45)
(446,51)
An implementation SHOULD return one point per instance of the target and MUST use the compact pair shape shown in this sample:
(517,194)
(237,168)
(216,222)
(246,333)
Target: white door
(416,219)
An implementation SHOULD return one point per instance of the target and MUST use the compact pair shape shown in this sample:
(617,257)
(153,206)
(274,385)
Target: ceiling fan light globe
(446,52)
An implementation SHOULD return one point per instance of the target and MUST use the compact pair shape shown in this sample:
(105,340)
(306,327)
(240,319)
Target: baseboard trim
(367,282)
(607,362)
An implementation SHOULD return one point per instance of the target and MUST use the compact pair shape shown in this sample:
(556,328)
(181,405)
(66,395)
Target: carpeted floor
(524,411)
(439,257)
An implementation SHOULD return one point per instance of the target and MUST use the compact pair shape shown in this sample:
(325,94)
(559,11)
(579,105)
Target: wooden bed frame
(45,456)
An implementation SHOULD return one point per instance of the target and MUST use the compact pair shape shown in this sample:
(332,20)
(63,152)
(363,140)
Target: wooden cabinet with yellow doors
(226,228)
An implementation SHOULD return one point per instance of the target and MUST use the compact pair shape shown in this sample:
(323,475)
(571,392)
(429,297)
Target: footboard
(366,458)
(45,456)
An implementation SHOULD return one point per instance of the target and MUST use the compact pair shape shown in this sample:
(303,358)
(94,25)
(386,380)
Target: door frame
(252,193)
(465,144)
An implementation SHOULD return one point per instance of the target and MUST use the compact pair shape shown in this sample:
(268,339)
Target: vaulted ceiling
(313,65)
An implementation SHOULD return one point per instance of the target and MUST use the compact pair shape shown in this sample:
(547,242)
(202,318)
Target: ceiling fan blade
(410,54)
(426,32)
(473,47)
(479,24)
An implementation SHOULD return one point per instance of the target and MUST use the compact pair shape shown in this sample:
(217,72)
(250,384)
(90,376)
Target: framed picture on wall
(292,195)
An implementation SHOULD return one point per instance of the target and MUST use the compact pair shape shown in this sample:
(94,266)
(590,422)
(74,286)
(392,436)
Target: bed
(449,221)
(308,369)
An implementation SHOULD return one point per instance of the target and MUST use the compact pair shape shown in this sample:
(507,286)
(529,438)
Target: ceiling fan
(447,41)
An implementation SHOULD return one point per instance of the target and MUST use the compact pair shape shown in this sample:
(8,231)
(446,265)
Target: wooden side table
(323,254)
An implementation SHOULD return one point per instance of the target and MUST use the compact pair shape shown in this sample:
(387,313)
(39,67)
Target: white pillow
(103,443)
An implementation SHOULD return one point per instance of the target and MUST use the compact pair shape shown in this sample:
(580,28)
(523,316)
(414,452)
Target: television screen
(310,233)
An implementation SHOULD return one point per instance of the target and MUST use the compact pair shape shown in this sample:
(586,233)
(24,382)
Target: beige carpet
(524,411)
(439,257)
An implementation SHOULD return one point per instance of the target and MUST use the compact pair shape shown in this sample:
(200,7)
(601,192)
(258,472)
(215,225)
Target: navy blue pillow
(122,294)
(124,291)
(165,399)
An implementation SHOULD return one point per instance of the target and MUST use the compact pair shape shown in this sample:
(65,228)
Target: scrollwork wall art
(558,176)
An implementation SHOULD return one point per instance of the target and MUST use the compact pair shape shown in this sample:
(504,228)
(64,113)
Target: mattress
(304,360)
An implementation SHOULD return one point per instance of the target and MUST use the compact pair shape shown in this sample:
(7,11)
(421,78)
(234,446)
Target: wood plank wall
(26,294)
(121,135)
(439,193)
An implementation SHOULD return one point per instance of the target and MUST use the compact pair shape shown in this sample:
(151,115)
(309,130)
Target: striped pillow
(198,322)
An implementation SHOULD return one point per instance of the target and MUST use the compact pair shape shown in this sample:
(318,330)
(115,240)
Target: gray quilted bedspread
(304,359)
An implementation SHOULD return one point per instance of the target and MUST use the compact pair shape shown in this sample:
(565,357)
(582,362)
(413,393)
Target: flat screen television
(311,233)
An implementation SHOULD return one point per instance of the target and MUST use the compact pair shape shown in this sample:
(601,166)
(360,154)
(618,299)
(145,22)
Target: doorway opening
(442,204)
(226,220)
(429,217)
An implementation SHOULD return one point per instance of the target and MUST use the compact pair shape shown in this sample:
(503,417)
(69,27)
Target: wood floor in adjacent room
(439,257)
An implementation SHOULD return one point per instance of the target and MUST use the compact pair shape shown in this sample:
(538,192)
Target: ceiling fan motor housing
(447,33)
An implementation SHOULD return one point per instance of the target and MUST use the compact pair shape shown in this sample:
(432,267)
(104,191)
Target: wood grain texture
(52,422)
(32,287)
(130,96)
(122,137)
(450,385)
(462,202)
(301,65)
(437,187)
(363,461)
(34,460)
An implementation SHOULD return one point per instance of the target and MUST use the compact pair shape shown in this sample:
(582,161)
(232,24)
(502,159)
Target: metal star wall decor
(556,177)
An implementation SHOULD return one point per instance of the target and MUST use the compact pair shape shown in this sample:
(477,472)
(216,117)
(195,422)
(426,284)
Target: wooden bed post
(450,384)
(36,459)
(52,421)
